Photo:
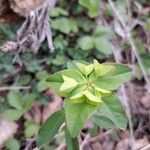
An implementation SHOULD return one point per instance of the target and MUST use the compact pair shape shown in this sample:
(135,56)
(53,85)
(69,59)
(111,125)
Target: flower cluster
(86,89)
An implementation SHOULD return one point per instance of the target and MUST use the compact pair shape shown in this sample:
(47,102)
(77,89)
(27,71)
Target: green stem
(72,143)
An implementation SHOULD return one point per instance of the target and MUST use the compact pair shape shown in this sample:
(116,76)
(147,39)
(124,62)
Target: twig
(29,143)
(99,136)
(132,43)
(15,88)
(129,9)
(147,147)
(34,30)
(128,112)
(116,53)
(84,142)
(61,146)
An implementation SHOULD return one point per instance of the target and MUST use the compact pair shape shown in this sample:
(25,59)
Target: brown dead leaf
(4,6)
(139,99)
(108,143)
(35,114)
(119,29)
(24,7)
(6,14)
(7,129)
(145,101)
(123,134)
(40,115)
(53,106)
(137,144)
(97,146)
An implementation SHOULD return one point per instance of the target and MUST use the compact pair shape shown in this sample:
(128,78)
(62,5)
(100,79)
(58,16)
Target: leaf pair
(81,77)
(99,41)
(91,6)
(20,105)
(65,25)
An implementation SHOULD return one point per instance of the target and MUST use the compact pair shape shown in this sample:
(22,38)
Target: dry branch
(127,30)
(34,30)
(125,98)
(15,88)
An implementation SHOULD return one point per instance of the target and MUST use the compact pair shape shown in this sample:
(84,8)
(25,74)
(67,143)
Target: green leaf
(101,90)
(85,24)
(103,122)
(73,25)
(14,99)
(77,93)
(68,85)
(31,128)
(102,44)
(103,69)
(86,43)
(69,73)
(12,144)
(112,109)
(72,143)
(92,6)
(72,64)
(60,59)
(61,24)
(13,114)
(76,115)
(50,127)
(55,81)
(92,99)
(24,80)
(60,43)
(41,75)
(85,96)
(57,11)
(42,86)
(85,69)
(65,25)
(29,100)
(103,31)
(113,80)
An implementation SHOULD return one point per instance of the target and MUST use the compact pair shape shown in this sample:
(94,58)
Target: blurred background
(106,30)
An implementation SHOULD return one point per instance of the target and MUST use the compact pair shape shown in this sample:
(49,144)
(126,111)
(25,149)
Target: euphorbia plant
(88,92)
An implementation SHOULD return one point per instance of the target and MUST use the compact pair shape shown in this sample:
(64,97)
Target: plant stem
(72,143)
(15,88)
(118,58)
(132,43)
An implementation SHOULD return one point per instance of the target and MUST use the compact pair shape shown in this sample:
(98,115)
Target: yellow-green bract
(84,82)
(88,92)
